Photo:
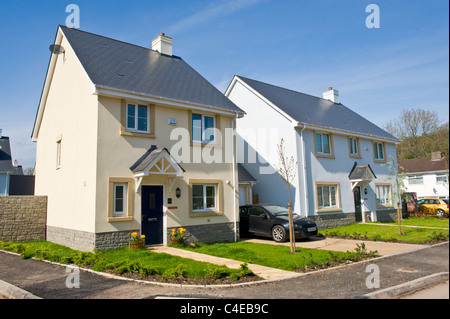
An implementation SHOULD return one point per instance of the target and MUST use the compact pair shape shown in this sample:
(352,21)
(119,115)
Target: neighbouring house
(246,182)
(12,180)
(339,156)
(427,177)
(121,133)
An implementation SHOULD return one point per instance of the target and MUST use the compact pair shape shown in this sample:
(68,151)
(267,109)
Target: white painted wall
(430,186)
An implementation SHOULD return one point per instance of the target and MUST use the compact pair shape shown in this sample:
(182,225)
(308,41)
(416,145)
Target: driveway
(338,244)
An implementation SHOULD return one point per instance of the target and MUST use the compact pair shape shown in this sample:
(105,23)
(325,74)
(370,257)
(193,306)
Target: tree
(420,132)
(398,192)
(287,170)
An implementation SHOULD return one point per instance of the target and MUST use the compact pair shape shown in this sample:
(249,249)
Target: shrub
(216,272)
(178,271)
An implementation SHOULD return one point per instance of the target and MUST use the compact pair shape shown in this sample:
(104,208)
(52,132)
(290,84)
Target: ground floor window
(383,194)
(205,197)
(120,199)
(327,196)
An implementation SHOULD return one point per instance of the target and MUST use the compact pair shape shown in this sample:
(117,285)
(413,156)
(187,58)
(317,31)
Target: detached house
(339,155)
(105,132)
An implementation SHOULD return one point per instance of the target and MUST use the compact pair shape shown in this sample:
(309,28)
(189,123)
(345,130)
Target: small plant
(135,237)
(178,233)
(178,271)
(216,272)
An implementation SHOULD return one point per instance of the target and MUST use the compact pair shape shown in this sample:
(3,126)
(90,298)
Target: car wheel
(279,233)
(440,213)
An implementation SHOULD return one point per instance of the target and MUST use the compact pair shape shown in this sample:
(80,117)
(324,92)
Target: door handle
(152,219)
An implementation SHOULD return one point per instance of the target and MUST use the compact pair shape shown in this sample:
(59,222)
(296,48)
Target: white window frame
(383,194)
(353,144)
(415,180)
(322,144)
(336,193)
(440,176)
(205,209)
(136,107)
(124,211)
(376,154)
(203,140)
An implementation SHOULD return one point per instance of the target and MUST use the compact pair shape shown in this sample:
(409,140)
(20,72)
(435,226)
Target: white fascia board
(107,91)
(426,173)
(48,80)
(300,125)
(269,103)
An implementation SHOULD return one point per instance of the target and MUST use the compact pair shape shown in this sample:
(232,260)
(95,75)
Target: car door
(243,219)
(258,221)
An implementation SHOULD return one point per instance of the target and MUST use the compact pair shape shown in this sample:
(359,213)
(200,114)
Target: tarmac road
(48,281)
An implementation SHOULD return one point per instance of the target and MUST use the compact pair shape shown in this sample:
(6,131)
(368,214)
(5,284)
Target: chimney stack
(332,95)
(162,44)
(436,156)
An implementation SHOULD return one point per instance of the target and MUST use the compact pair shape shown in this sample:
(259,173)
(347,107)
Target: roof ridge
(120,41)
(286,89)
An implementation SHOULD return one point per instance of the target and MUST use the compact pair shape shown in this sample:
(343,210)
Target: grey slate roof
(146,159)
(358,171)
(244,176)
(119,65)
(313,110)
(5,158)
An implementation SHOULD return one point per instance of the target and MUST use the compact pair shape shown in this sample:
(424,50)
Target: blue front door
(152,201)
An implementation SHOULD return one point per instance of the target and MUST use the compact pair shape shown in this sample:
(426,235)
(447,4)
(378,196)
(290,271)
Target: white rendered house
(341,173)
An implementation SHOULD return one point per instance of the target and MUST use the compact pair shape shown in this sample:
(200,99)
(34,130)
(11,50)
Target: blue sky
(302,45)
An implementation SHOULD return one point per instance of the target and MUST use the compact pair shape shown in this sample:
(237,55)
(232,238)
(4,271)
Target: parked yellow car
(433,206)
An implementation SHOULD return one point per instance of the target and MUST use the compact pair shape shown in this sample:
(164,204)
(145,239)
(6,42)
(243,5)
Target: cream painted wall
(70,115)
(116,153)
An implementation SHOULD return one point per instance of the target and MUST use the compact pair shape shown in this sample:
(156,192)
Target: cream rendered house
(105,129)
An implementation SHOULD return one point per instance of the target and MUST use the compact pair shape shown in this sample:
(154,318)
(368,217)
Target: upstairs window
(378,150)
(137,118)
(414,180)
(203,128)
(353,147)
(323,144)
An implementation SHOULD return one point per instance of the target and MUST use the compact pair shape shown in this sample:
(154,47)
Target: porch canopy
(361,175)
(156,161)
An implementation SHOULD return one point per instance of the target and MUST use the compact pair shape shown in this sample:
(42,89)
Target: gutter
(300,125)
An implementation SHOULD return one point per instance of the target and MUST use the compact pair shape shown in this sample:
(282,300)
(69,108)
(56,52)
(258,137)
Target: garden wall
(23,218)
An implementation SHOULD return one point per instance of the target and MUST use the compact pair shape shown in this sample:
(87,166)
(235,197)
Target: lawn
(278,256)
(138,264)
(425,222)
(391,233)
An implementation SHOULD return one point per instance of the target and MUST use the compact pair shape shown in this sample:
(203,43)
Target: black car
(273,221)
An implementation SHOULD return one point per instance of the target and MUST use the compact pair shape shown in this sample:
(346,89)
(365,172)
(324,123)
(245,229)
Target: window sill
(329,210)
(355,156)
(205,213)
(325,155)
(120,219)
(390,206)
(137,134)
(379,161)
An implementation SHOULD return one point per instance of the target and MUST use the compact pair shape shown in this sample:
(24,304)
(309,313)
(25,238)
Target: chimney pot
(162,44)
(332,95)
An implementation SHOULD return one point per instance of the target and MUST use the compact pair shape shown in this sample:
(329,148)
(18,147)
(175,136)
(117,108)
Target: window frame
(217,210)
(136,118)
(127,213)
(332,208)
(125,131)
(330,141)
(203,129)
(351,153)
(389,202)
(441,176)
(417,178)
(375,148)
(58,154)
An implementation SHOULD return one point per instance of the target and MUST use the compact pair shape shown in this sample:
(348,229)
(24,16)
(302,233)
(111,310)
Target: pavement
(404,269)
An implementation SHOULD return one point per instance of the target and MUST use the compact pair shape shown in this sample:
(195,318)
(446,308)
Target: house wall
(71,117)
(430,186)
(116,153)
(258,134)
(270,189)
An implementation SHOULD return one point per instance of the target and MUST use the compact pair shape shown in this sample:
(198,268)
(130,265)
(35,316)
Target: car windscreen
(277,210)
(446,201)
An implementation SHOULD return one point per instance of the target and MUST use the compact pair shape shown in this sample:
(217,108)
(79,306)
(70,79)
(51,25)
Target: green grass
(124,260)
(389,233)
(275,256)
(425,222)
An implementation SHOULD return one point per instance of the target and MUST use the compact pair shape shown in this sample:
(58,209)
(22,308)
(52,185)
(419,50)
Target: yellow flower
(143,236)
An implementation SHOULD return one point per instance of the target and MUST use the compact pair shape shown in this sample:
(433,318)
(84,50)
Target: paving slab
(261,271)
(338,244)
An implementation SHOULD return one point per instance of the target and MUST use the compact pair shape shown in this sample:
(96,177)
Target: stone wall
(208,233)
(325,221)
(23,218)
